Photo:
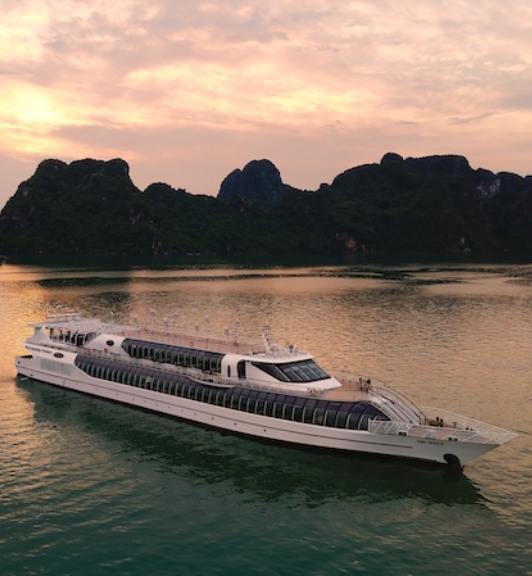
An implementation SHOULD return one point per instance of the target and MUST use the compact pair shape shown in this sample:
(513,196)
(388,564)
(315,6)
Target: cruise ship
(266,391)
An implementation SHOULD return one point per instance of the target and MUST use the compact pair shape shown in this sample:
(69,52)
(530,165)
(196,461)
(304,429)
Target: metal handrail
(163,334)
(466,430)
(203,342)
(467,424)
(400,402)
(396,406)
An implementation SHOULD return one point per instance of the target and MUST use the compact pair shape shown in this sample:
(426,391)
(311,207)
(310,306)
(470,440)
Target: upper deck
(78,331)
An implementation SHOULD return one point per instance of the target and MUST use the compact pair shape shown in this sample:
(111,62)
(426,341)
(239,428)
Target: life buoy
(313,392)
(199,376)
(192,342)
(105,350)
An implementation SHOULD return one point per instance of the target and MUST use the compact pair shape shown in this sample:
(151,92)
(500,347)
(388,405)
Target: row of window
(353,415)
(68,337)
(187,357)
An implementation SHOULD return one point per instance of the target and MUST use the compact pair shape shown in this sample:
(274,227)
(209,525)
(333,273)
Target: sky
(186,91)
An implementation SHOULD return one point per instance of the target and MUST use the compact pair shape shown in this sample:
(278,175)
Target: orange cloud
(100,79)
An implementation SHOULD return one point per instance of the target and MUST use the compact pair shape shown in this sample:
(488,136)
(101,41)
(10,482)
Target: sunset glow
(187,92)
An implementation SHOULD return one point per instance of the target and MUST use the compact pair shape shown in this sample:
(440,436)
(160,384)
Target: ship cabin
(286,367)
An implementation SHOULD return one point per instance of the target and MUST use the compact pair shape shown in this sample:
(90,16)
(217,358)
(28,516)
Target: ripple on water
(90,487)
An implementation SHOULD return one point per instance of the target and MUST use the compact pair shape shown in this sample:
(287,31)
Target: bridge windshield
(302,371)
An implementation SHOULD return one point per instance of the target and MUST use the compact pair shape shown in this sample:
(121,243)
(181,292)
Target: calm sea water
(90,487)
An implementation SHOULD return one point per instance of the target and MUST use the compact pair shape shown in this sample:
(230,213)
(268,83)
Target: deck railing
(396,406)
(74,325)
(392,401)
(453,427)
(467,424)
(203,342)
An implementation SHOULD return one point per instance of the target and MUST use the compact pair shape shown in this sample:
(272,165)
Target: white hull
(275,429)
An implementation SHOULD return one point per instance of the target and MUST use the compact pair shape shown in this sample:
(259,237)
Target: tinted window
(287,407)
(319,412)
(352,420)
(342,415)
(297,413)
(331,413)
(270,401)
(278,406)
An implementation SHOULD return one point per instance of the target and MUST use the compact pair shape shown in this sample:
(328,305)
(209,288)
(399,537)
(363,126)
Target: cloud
(470,119)
(98,78)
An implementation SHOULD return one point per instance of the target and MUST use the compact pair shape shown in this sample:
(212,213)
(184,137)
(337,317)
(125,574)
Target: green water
(90,487)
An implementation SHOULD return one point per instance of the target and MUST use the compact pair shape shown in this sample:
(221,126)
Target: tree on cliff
(432,204)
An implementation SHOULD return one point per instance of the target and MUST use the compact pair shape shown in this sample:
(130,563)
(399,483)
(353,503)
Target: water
(89,487)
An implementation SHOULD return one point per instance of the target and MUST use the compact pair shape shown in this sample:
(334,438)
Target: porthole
(58,355)
(110,343)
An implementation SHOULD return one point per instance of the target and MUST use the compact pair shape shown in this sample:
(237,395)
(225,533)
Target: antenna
(237,326)
(266,338)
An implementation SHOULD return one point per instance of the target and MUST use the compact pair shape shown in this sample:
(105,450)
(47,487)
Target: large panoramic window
(303,371)
(165,353)
(353,415)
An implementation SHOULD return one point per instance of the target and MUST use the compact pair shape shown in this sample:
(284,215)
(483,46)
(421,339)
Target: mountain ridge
(429,204)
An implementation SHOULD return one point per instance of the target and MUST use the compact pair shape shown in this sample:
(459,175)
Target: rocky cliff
(432,204)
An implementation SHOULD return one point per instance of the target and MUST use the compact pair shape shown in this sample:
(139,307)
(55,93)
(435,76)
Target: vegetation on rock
(434,204)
